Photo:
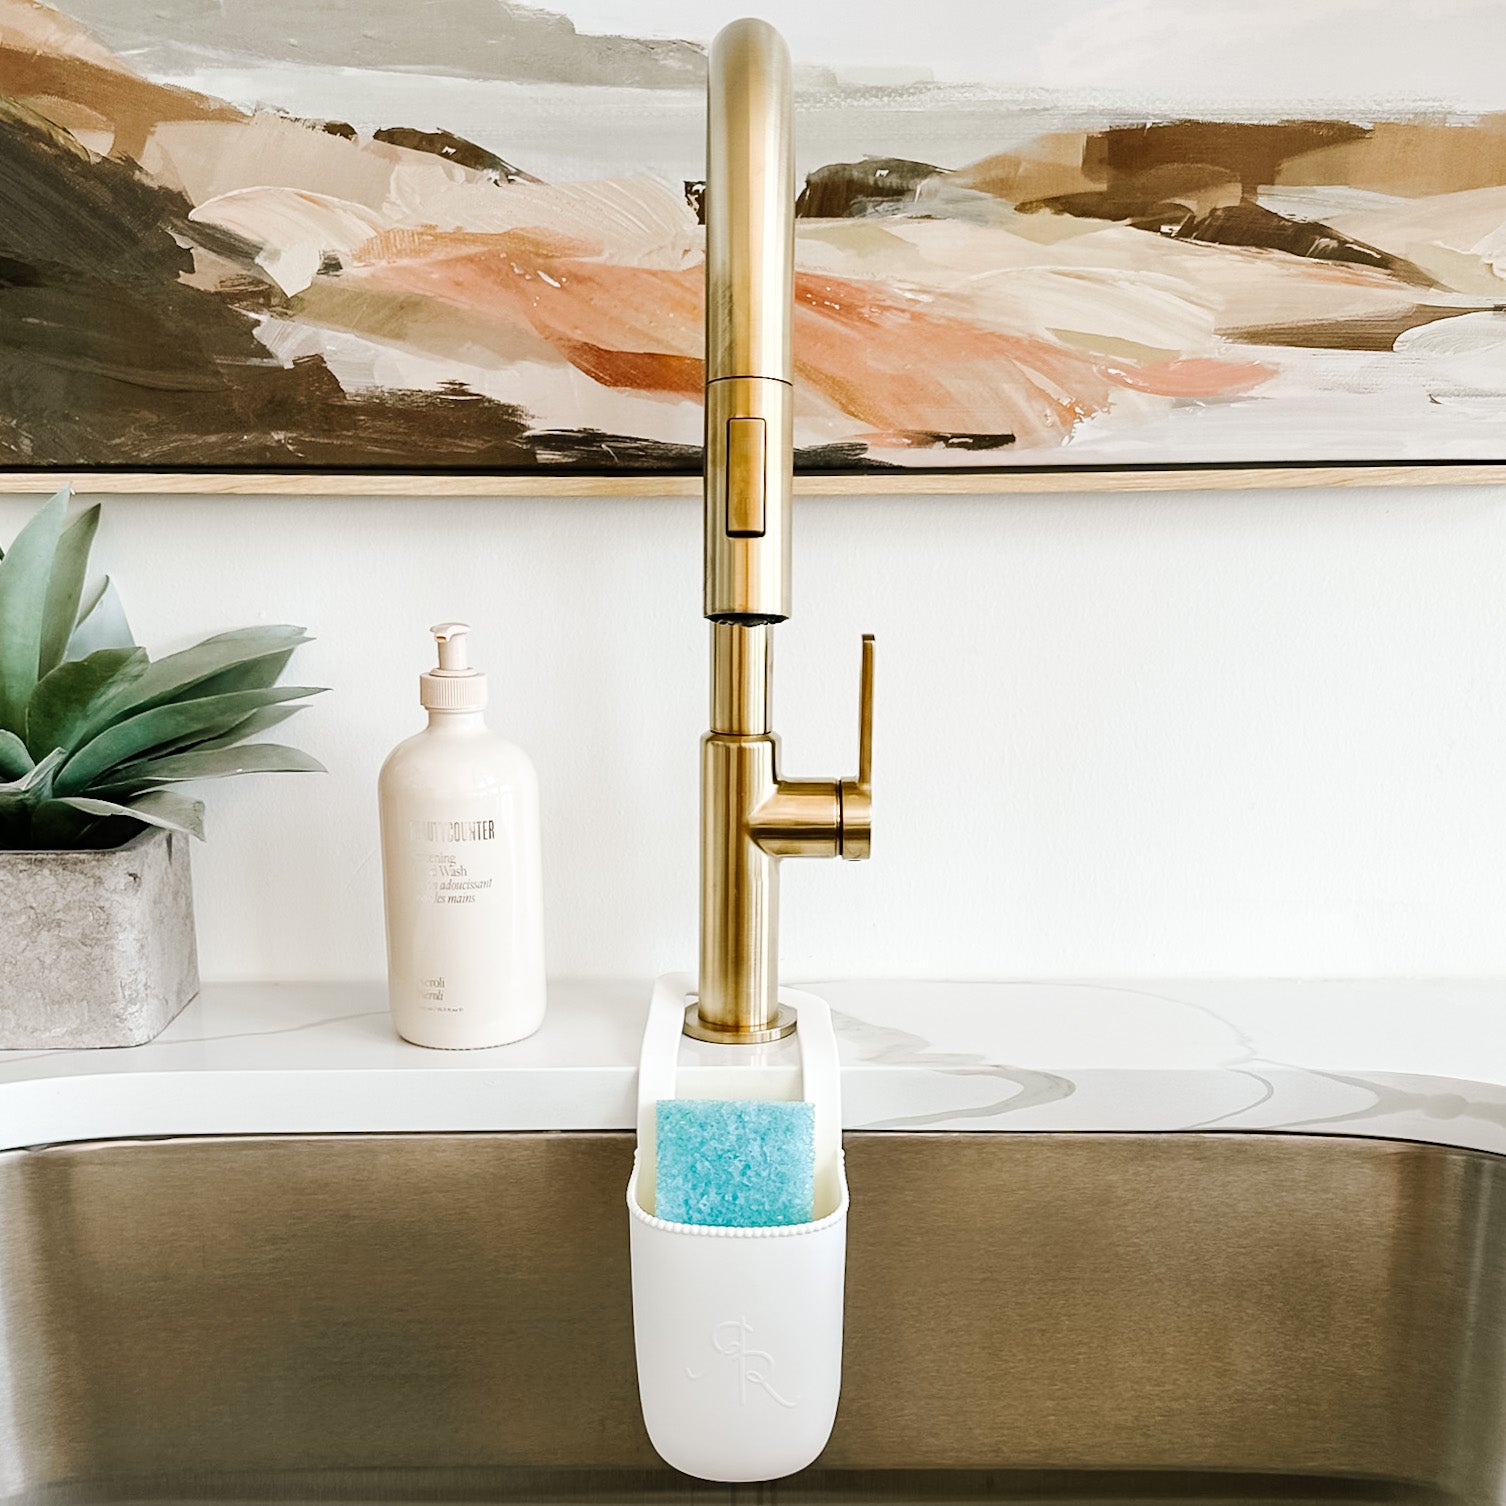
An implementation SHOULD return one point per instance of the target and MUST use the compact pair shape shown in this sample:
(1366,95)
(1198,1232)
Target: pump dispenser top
(452,685)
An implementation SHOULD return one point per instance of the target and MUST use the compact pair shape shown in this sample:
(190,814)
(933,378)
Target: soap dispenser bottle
(461,869)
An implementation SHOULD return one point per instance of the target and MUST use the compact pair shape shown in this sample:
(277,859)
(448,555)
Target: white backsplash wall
(1117,735)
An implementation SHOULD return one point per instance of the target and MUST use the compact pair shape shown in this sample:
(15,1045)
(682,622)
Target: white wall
(1216,734)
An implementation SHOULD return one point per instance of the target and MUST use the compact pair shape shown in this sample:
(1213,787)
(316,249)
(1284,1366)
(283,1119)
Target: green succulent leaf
(15,761)
(65,590)
(24,574)
(174,677)
(258,721)
(101,623)
(63,700)
(213,763)
(253,674)
(164,727)
(195,737)
(155,808)
(34,779)
(89,602)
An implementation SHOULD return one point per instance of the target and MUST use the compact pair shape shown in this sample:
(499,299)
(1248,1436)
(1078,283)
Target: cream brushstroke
(1470,225)
(635,221)
(296,230)
(1381,402)
(260,167)
(1471,349)
(1153,310)
(205,159)
(1232,287)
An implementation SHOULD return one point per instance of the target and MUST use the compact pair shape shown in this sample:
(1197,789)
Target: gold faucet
(750,816)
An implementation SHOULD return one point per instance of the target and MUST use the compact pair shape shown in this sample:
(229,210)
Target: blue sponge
(741,1165)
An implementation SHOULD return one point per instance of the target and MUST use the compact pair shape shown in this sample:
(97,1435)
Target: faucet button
(747,447)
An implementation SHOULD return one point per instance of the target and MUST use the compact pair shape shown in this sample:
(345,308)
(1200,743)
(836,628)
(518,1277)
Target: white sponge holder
(738,1331)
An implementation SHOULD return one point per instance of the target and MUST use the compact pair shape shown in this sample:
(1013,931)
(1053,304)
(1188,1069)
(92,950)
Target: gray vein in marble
(886,1045)
(247,1035)
(1268,1092)
(167,1039)
(1388,1099)
(1246,1043)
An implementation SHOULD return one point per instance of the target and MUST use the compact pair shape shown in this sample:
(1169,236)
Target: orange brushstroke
(636,327)
(639,370)
(889,359)
(899,366)
(1192,377)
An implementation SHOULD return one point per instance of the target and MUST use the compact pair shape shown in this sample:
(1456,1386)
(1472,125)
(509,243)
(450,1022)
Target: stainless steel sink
(1116,1318)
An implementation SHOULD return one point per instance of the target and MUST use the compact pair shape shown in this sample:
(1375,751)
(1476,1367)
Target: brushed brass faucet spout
(751,818)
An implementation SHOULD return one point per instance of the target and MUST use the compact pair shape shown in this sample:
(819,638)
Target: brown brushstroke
(841,190)
(973,443)
(1408,158)
(1130,166)
(456,149)
(1250,224)
(1049,166)
(1198,188)
(1252,151)
(131,104)
(594,450)
(1200,202)
(1375,332)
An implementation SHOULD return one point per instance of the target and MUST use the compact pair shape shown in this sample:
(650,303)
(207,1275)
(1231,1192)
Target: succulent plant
(93,732)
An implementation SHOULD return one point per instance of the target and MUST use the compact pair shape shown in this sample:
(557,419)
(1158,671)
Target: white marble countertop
(1403,1060)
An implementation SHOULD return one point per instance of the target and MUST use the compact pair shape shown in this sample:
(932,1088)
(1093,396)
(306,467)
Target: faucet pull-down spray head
(750,290)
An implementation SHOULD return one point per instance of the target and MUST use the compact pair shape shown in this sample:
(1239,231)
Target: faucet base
(697,1029)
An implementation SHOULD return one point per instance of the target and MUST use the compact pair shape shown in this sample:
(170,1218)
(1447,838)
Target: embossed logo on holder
(755,1367)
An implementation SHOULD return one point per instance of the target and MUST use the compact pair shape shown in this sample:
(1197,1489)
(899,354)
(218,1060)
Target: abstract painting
(463,235)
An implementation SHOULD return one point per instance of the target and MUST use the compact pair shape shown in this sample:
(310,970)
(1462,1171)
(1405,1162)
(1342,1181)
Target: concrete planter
(96,948)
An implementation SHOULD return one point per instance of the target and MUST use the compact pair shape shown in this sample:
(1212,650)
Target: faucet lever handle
(865,714)
(855,796)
